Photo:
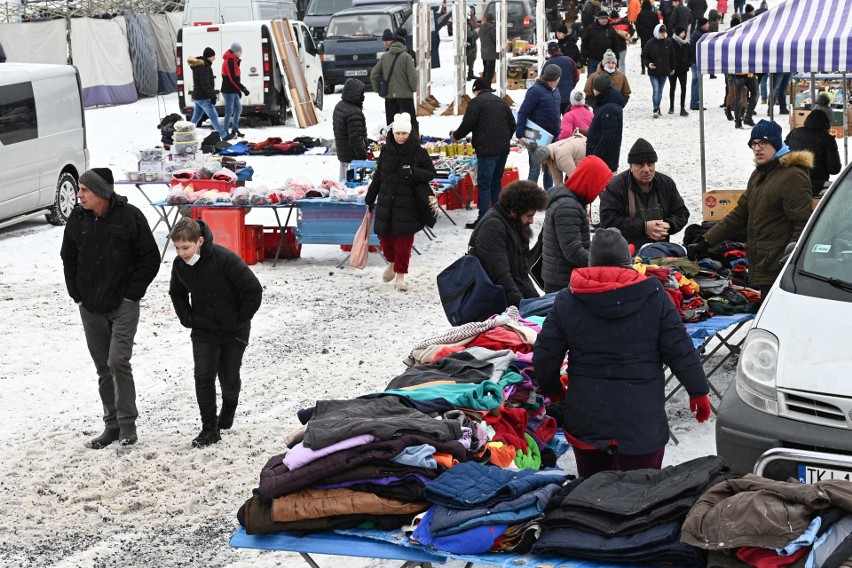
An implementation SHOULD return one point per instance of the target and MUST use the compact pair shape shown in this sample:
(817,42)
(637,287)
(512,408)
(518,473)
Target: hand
(671,72)
(246,92)
(80,303)
(697,251)
(405,172)
(700,406)
(128,300)
(651,66)
(657,230)
(523,141)
(452,138)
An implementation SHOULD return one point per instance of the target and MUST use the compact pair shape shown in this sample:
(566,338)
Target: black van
(520,20)
(353,42)
(319,13)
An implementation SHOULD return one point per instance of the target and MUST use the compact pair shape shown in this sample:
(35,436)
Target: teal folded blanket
(484,396)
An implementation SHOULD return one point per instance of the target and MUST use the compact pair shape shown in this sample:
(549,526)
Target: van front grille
(818,409)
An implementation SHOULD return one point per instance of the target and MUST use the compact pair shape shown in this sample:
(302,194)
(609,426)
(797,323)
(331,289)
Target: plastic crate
(207,184)
(271,236)
(253,244)
(509,176)
(228,225)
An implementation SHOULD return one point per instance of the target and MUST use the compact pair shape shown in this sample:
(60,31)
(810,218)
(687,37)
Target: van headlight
(756,371)
(379,54)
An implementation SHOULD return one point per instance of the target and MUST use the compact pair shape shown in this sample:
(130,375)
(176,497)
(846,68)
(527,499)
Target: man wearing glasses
(773,210)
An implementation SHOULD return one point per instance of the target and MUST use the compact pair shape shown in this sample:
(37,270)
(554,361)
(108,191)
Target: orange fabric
(633,8)
(501,338)
(448,350)
(445,460)
(502,454)
(598,279)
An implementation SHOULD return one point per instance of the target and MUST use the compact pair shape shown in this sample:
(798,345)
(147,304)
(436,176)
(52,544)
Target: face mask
(608,70)
(193,259)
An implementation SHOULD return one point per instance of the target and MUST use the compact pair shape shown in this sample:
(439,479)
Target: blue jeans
(206,107)
(489,181)
(780,82)
(693,101)
(535,170)
(233,108)
(592,65)
(764,84)
(658,82)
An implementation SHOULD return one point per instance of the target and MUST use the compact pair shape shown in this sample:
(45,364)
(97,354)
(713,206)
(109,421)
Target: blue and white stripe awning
(801,36)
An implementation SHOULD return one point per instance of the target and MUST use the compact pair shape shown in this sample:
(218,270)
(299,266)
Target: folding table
(162,214)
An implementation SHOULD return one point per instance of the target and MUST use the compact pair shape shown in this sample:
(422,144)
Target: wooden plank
(302,106)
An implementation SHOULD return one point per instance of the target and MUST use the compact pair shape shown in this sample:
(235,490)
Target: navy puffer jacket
(604,140)
(541,105)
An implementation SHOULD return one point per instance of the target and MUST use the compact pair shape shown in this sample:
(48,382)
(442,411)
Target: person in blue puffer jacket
(605,131)
(541,105)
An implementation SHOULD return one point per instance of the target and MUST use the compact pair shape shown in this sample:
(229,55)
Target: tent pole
(501,11)
(770,97)
(845,120)
(701,135)
(540,34)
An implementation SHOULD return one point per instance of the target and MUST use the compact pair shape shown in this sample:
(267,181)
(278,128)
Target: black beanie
(642,153)
(602,83)
(562,29)
(208,53)
(99,181)
(609,248)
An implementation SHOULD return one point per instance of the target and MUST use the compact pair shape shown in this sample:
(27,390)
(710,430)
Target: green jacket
(773,210)
(403,83)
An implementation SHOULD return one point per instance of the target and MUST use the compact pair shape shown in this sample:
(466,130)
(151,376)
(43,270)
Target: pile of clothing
(754,521)
(275,146)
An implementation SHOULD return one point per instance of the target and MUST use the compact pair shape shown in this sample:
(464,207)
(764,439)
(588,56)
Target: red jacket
(231,74)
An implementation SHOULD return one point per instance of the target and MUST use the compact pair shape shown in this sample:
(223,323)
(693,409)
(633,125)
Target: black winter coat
(681,17)
(596,40)
(605,132)
(399,208)
(693,43)
(646,21)
(617,343)
(225,292)
(565,236)
(496,242)
(814,136)
(350,126)
(615,207)
(109,258)
(661,53)
(203,81)
(492,123)
(681,57)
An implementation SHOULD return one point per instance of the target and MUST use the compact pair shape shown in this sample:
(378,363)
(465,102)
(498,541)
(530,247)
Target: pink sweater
(576,117)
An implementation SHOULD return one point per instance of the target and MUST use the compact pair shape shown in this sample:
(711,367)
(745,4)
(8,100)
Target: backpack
(467,292)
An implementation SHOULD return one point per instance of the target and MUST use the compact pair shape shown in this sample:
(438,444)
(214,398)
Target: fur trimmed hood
(800,158)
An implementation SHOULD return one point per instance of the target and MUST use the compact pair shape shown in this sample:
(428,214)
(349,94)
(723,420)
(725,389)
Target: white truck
(261,70)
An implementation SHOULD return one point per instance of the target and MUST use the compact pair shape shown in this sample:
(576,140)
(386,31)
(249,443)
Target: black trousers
(742,82)
(217,354)
(394,106)
(673,80)
(488,69)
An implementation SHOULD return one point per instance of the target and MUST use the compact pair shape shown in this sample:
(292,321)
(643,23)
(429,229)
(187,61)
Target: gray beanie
(99,181)
(551,73)
(235,47)
(608,56)
(609,248)
(539,153)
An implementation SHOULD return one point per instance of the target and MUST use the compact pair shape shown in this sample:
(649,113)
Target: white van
(792,388)
(208,12)
(42,141)
(260,70)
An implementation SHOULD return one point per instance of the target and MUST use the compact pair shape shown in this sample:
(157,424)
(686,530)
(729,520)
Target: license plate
(812,474)
(355,73)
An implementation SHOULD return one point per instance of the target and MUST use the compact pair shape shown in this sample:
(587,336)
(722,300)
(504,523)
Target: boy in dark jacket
(659,57)
(215,295)
(618,328)
(350,126)
(597,38)
(232,89)
(204,90)
(605,132)
(541,105)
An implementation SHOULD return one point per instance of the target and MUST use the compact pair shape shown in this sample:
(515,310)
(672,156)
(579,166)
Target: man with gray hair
(109,257)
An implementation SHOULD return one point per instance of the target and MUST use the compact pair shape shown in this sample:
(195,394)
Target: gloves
(700,405)
(405,172)
(698,250)
(246,92)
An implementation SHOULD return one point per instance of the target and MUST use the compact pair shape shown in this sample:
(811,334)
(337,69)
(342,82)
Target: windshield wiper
(835,282)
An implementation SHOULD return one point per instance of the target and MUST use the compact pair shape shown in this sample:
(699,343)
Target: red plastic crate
(253,244)
(207,184)
(228,225)
(293,248)
(509,176)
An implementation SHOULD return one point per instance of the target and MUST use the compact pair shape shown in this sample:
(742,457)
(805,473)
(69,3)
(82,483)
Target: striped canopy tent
(799,36)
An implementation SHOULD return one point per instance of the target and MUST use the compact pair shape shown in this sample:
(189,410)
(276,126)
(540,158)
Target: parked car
(520,19)
(792,388)
(261,70)
(42,141)
(319,13)
(208,12)
(353,43)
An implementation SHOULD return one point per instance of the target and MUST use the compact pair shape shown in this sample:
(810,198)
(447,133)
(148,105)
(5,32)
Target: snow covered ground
(322,333)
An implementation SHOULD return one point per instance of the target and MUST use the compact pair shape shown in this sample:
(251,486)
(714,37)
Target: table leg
(447,215)
(159,213)
(283,236)
(170,223)
(307,558)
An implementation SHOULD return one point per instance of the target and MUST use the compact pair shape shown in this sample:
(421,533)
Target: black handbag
(384,85)
(535,256)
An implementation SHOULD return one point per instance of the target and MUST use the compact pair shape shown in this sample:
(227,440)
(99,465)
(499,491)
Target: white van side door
(309,56)
(19,146)
(236,10)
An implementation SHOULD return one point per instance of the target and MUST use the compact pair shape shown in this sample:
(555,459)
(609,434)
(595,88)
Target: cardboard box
(516,72)
(797,117)
(513,84)
(719,202)
(532,73)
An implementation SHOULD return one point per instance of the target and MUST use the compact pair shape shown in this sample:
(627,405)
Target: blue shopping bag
(467,293)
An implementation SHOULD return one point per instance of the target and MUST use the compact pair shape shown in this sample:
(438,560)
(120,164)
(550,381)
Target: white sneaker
(387,275)
(401,286)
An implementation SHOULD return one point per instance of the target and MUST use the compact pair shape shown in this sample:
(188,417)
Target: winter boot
(729,113)
(671,110)
(207,437)
(109,436)
(127,434)
(387,275)
(657,113)
(683,112)
(738,124)
(209,424)
(748,121)
(401,286)
(226,415)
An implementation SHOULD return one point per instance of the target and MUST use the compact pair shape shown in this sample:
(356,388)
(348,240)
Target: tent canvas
(166,38)
(35,42)
(106,72)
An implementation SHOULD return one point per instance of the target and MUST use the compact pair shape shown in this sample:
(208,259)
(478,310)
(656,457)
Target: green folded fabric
(487,395)
(532,458)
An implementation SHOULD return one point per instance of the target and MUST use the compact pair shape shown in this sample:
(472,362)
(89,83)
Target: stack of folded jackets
(629,516)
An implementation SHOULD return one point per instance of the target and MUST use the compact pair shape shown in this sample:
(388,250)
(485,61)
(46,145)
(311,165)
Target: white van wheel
(65,200)
(318,97)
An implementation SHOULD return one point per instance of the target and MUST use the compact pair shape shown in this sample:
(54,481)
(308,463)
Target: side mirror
(320,48)
(788,250)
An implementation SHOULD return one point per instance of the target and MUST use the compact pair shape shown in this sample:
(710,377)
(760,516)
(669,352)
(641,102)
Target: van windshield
(828,249)
(360,25)
(327,7)
(514,10)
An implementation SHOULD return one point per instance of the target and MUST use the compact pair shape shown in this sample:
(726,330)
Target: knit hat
(589,178)
(538,153)
(562,29)
(609,248)
(609,56)
(99,181)
(401,122)
(553,47)
(208,53)
(602,83)
(769,131)
(602,14)
(482,84)
(701,22)
(578,98)
(642,153)
(551,73)
(614,15)
(387,35)
(235,47)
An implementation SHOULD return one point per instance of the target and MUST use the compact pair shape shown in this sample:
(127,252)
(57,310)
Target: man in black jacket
(501,240)
(642,203)
(491,121)
(109,257)
(204,90)
(225,296)
(597,38)
(658,56)
(350,126)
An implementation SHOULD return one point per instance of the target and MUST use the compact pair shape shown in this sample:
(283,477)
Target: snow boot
(657,113)
(226,415)
(401,286)
(209,424)
(127,434)
(748,121)
(207,437)
(738,124)
(671,110)
(683,112)
(728,113)
(109,436)
(387,275)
